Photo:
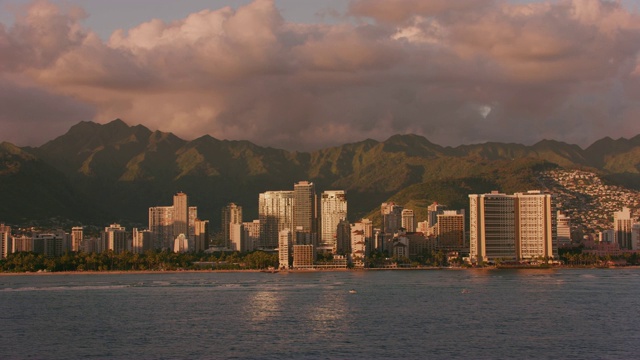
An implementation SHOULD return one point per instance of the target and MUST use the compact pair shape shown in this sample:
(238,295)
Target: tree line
(128,261)
(156,260)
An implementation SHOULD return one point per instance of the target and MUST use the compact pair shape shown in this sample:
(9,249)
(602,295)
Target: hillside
(115,172)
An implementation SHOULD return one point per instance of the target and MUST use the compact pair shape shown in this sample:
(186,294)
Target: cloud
(32,116)
(456,72)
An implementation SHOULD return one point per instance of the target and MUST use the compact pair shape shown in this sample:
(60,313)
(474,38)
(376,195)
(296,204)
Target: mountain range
(99,173)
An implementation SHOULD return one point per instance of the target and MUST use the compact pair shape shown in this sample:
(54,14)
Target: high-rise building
(180,215)
(77,234)
(492,227)
(433,211)
(343,238)
(361,239)
(408,220)
(49,244)
(563,229)
(536,224)
(450,230)
(251,234)
(167,222)
(303,256)
(193,216)
(285,242)
(423,227)
(201,235)
(5,241)
(622,223)
(141,241)
(391,217)
(231,225)
(161,226)
(22,243)
(333,210)
(115,238)
(275,209)
(512,227)
(305,207)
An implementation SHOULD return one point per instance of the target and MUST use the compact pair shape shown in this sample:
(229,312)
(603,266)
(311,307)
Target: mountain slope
(122,170)
(31,189)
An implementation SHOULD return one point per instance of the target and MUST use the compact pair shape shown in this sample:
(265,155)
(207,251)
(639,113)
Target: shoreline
(122,272)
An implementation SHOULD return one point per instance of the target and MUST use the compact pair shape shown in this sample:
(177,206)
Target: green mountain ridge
(115,172)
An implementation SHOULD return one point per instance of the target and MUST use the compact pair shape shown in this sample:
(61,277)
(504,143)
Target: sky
(309,74)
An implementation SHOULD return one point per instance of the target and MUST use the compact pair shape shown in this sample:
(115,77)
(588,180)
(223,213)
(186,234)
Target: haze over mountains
(114,172)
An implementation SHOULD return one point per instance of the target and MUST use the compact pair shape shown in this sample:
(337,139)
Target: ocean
(392,314)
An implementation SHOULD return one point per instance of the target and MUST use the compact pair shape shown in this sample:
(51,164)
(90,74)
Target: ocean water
(441,314)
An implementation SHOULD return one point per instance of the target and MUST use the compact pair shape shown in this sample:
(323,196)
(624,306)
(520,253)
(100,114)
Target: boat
(352,291)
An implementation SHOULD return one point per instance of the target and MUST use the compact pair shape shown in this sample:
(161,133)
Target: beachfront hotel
(514,227)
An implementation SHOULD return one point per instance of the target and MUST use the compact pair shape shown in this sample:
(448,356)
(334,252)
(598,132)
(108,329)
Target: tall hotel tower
(333,209)
(5,241)
(161,226)
(408,220)
(305,207)
(168,222)
(622,223)
(232,225)
(450,230)
(275,209)
(391,217)
(180,215)
(512,227)
(76,237)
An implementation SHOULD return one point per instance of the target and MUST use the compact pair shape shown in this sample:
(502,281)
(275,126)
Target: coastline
(294,271)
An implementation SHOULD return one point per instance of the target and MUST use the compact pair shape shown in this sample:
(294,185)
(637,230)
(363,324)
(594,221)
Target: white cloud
(558,67)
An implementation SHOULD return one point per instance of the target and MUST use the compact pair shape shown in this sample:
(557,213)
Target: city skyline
(301,76)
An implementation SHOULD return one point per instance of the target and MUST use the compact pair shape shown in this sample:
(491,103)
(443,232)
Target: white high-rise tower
(333,209)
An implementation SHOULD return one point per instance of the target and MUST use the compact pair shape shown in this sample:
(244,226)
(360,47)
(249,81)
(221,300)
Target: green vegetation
(127,261)
(115,172)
